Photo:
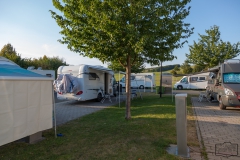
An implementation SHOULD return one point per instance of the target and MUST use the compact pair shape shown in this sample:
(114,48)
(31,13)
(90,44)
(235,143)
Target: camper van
(39,70)
(197,81)
(84,82)
(139,80)
(224,83)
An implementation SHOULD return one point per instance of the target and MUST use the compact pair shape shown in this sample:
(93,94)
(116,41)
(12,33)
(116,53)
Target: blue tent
(16,71)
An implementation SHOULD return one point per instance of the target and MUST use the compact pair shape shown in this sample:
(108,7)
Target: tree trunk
(128,90)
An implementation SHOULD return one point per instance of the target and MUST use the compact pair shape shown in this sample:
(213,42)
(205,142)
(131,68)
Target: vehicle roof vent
(231,61)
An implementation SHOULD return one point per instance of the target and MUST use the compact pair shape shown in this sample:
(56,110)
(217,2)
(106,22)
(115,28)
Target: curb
(198,130)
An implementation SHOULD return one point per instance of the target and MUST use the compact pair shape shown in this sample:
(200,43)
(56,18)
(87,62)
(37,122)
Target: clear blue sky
(29,27)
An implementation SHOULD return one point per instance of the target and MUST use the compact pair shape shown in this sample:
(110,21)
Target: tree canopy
(175,70)
(138,67)
(197,68)
(123,30)
(186,68)
(211,50)
(9,52)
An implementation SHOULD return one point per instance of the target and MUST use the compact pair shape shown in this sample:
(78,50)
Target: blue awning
(16,71)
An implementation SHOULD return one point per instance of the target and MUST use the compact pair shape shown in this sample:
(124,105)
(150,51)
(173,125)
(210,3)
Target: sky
(28,26)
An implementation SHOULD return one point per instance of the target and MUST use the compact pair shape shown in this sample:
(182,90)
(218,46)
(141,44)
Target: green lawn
(107,135)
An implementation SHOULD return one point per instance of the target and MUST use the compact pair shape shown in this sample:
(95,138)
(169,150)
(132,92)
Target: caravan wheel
(99,97)
(141,87)
(180,87)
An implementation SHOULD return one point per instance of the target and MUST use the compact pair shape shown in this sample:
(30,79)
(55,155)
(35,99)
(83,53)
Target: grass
(107,135)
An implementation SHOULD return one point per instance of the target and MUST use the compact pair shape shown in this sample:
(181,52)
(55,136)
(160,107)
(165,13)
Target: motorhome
(84,82)
(224,83)
(39,70)
(197,81)
(140,80)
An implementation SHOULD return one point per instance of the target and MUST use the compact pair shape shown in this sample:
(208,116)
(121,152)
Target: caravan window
(184,80)
(92,76)
(202,78)
(193,79)
(132,77)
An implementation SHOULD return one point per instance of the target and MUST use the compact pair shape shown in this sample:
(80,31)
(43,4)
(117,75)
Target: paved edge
(199,135)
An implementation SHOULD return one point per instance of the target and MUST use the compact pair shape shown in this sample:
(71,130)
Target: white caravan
(140,80)
(86,82)
(48,73)
(197,81)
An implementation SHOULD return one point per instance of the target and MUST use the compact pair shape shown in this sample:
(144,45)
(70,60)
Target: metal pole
(119,88)
(144,83)
(151,85)
(54,112)
(160,80)
(172,89)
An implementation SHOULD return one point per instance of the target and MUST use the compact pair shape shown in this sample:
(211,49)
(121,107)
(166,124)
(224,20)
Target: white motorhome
(197,81)
(48,73)
(86,82)
(140,80)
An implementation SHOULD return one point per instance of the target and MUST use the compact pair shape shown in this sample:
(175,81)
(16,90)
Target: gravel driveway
(70,110)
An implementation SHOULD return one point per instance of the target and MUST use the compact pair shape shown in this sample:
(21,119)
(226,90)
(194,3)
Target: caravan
(197,81)
(140,80)
(224,83)
(84,82)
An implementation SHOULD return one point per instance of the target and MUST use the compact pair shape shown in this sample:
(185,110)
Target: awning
(8,71)
(101,68)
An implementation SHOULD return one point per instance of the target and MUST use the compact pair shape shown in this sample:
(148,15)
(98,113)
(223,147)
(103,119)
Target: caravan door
(93,82)
(108,83)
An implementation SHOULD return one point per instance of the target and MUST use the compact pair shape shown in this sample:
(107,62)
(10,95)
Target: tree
(47,63)
(197,68)
(186,68)
(10,53)
(123,30)
(175,70)
(211,50)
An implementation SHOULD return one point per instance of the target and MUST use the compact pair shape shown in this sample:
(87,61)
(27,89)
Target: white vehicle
(86,82)
(140,80)
(48,73)
(197,81)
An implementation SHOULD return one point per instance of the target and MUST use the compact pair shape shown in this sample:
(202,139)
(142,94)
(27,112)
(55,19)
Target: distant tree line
(164,68)
(47,63)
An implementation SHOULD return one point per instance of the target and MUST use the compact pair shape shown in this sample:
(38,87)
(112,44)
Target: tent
(27,102)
